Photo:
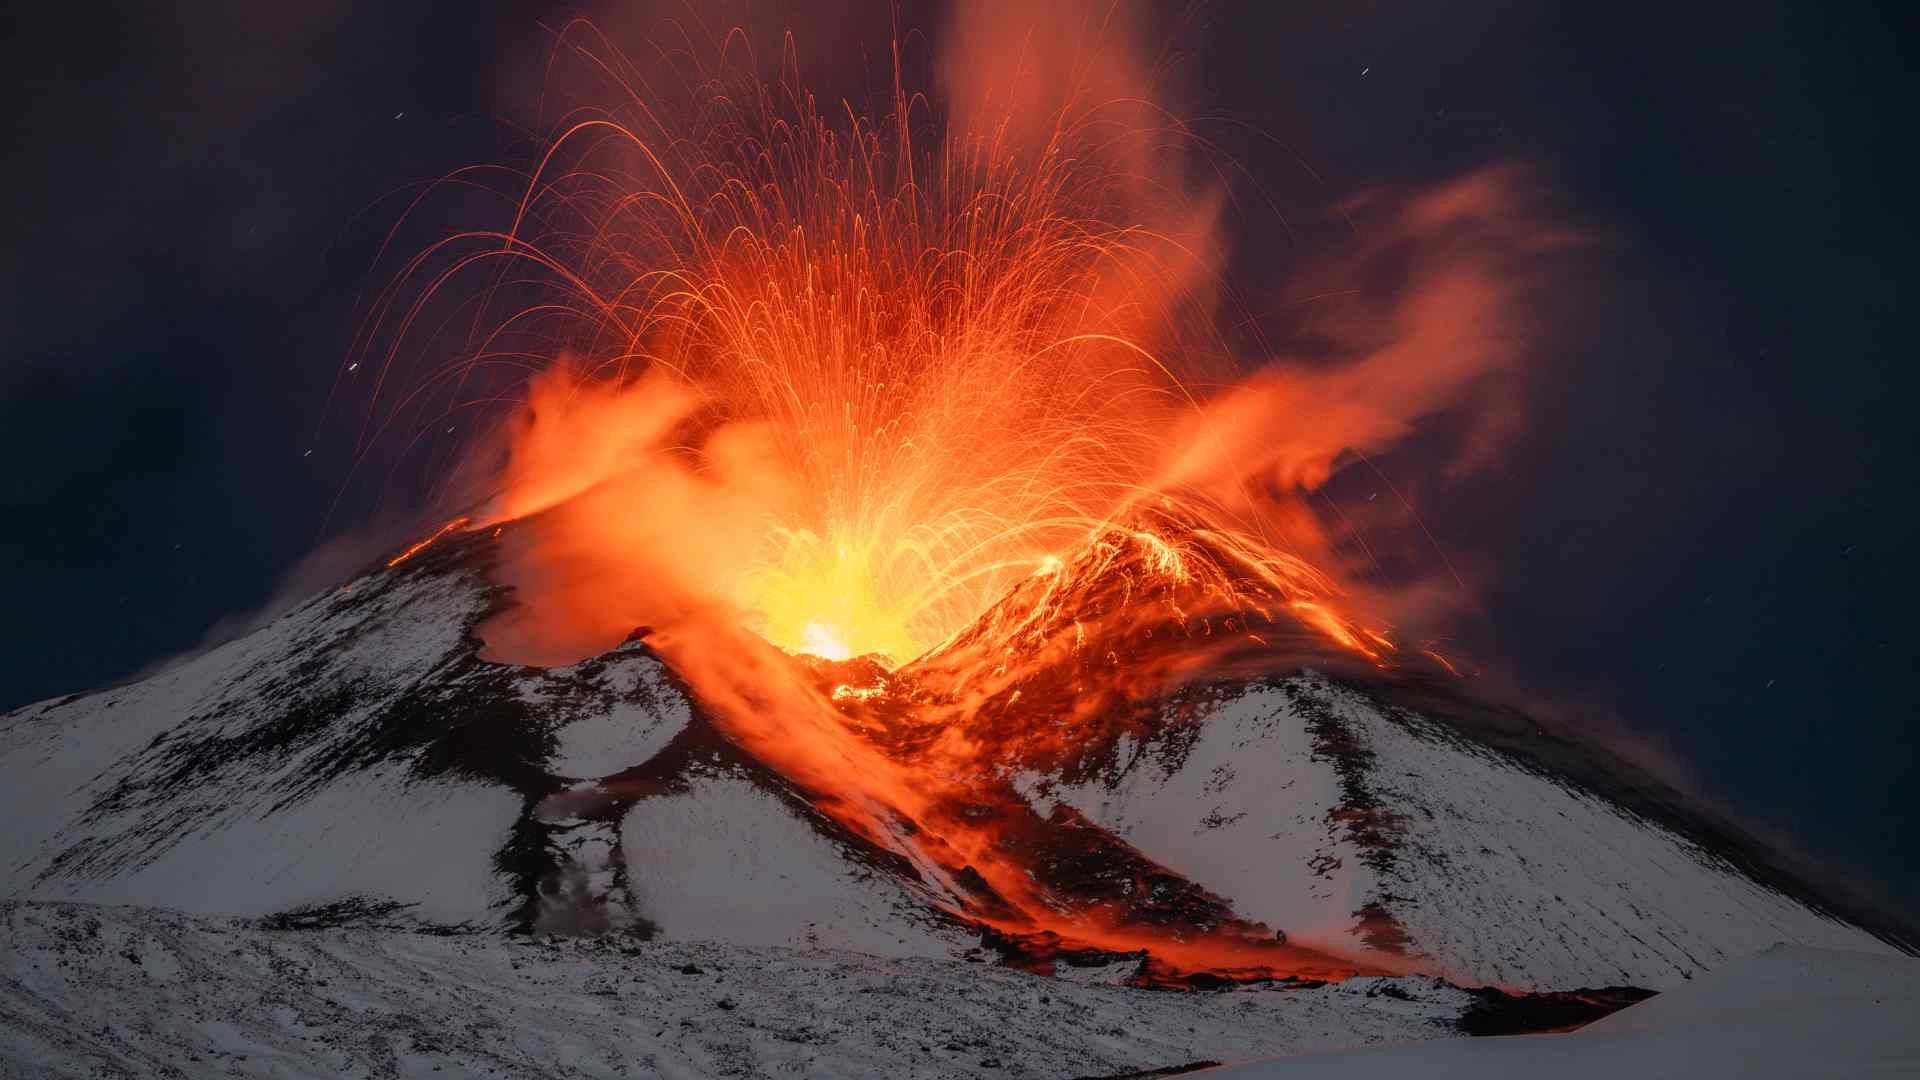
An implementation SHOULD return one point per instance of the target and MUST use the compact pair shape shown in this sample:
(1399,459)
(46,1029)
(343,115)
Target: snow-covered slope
(281,768)
(1786,1013)
(88,991)
(726,861)
(1317,807)
(358,750)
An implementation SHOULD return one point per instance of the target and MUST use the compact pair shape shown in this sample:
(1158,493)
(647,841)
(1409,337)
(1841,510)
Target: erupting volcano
(921,579)
(908,438)
(846,377)
(919,569)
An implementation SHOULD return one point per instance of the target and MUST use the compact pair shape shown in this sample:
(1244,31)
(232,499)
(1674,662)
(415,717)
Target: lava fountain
(909,434)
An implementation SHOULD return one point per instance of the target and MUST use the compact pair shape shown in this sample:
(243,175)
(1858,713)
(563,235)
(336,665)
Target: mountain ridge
(543,799)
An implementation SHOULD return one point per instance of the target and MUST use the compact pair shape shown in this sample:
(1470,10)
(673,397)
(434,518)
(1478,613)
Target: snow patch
(729,861)
(647,712)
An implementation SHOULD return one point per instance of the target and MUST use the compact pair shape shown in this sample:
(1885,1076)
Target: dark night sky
(1703,532)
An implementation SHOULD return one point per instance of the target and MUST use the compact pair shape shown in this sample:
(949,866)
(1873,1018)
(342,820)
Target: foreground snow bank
(90,991)
(1788,1012)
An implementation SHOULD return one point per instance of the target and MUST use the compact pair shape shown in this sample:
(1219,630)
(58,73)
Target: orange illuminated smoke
(853,380)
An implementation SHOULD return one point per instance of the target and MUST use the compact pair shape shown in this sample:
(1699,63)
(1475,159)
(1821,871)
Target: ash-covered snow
(373,833)
(1528,882)
(1494,873)
(1241,809)
(729,861)
(646,711)
(1786,1013)
(193,789)
(358,751)
(90,991)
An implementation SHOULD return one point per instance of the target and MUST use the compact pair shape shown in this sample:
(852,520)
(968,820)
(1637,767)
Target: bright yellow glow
(831,598)
(824,641)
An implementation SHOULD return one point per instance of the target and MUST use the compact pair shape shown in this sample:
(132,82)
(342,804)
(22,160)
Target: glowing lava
(421,545)
(824,641)
(821,597)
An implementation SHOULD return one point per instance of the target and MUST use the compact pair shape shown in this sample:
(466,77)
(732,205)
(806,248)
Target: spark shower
(878,417)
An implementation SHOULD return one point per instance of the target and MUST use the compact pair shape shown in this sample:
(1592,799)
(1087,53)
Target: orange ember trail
(421,545)
(917,447)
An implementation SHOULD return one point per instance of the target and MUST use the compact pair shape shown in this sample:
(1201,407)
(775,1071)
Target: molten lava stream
(968,832)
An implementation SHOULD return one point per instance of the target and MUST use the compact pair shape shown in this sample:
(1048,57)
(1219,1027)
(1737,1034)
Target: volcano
(354,813)
(359,759)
